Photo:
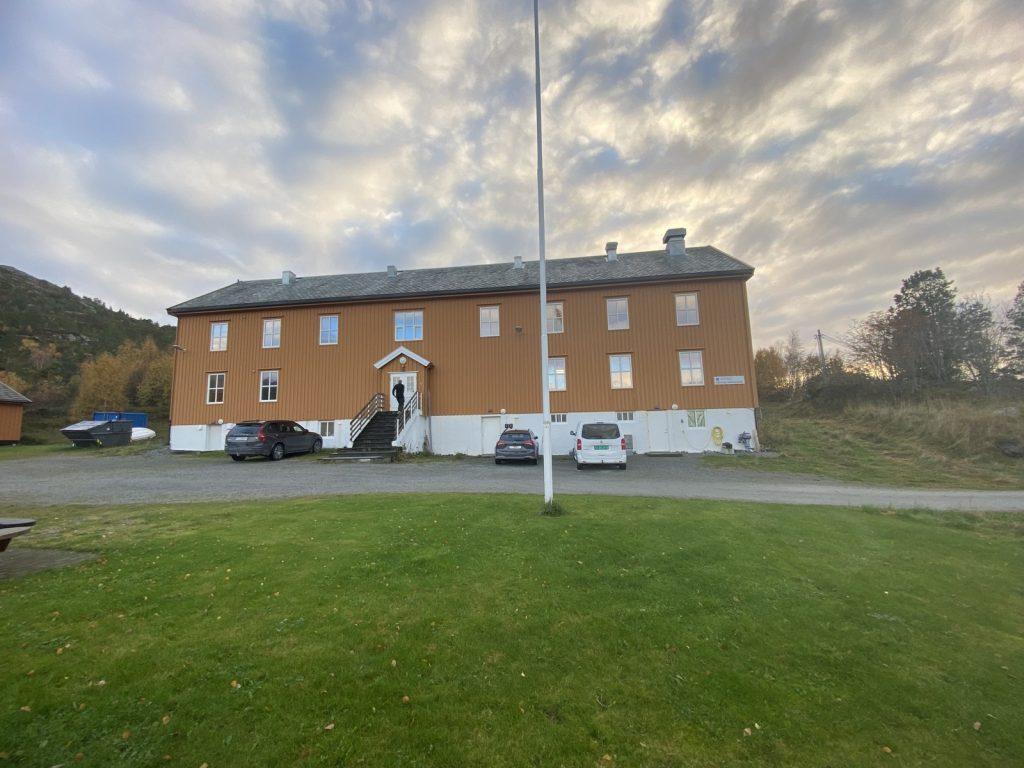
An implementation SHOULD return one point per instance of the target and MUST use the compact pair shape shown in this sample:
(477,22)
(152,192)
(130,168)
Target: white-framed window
(409,325)
(489,325)
(328,329)
(556,374)
(218,337)
(215,388)
(559,418)
(326,429)
(621,368)
(268,386)
(618,314)
(556,317)
(272,333)
(687,309)
(624,416)
(697,419)
(691,368)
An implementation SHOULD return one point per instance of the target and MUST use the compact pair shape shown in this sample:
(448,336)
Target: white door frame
(407,377)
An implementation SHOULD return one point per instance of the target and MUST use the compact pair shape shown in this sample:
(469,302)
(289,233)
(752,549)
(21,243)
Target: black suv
(273,439)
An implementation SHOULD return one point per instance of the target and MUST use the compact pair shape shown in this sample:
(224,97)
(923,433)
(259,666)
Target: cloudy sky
(153,151)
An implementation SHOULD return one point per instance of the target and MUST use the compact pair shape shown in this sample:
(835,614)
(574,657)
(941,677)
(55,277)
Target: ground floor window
(558,418)
(691,368)
(215,388)
(268,386)
(326,429)
(696,419)
(624,416)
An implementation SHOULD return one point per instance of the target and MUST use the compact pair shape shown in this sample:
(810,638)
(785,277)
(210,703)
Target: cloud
(151,153)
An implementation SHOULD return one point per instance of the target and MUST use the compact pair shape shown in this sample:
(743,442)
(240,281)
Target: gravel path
(160,476)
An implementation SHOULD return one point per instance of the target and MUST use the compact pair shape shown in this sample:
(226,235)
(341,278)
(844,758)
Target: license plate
(516,447)
(600,447)
(238,439)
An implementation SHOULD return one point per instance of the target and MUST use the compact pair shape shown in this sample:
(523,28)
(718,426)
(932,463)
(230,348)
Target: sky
(151,152)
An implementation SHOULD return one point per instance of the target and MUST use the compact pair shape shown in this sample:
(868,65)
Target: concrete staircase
(373,444)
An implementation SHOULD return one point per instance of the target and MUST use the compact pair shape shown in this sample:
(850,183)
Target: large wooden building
(658,341)
(12,407)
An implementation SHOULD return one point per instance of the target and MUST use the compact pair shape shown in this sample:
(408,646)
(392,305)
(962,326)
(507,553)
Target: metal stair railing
(373,406)
(407,413)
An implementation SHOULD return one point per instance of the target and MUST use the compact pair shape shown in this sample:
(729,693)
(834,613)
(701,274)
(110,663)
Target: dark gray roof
(8,395)
(647,266)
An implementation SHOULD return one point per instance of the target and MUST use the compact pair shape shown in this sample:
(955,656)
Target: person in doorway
(399,392)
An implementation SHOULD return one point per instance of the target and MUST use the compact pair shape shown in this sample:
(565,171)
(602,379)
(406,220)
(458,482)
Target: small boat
(142,433)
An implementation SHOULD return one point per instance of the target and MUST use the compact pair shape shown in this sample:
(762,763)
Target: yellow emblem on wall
(717,435)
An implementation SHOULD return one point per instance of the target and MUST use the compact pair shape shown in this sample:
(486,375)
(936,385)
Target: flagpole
(549,492)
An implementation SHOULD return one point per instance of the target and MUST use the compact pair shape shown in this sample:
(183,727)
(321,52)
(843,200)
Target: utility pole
(549,492)
(821,350)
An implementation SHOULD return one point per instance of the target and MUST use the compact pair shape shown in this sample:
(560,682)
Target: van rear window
(600,431)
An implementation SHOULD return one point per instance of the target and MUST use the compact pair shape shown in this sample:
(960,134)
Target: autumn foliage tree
(137,376)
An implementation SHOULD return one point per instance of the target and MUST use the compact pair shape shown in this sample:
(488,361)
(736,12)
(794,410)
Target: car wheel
(238,458)
(277,452)
(317,447)
(497,461)
(622,466)
(579,467)
(534,462)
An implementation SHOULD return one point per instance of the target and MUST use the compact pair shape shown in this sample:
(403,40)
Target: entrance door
(658,431)
(490,431)
(409,379)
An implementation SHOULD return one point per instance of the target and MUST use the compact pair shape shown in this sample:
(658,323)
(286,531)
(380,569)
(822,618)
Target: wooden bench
(11,527)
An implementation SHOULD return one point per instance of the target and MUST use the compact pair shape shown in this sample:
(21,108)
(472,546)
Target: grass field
(458,630)
(938,445)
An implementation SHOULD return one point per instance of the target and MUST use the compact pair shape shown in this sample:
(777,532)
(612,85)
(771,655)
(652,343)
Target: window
(215,388)
(558,418)
(556,318)
(409,325)
(687,312)
(691,369)
(624,416)
(696,419)
(621,367)
(556,374)
(488,321)
(326,429)
(218,337)
(268,386)
(328,329)
(272,333)
(618,314)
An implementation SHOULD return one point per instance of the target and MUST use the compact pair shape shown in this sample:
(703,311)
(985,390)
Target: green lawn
(839,446)
(459,630)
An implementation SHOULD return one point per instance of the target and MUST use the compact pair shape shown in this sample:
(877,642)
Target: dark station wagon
(517,445)
(273,439)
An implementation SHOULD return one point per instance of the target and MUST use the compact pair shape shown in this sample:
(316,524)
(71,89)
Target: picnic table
(11,527)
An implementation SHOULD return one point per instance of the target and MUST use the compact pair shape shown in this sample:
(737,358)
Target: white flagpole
(549,492)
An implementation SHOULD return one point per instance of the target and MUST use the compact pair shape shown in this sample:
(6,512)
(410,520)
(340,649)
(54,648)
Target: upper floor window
(489,321)
(215,388)
(556,374)
(687,312)
(409,325)
(621,367)
(218,337)
(328,329)
(555,317)
(268,386)
(618,314)
(691,369)
(272,333)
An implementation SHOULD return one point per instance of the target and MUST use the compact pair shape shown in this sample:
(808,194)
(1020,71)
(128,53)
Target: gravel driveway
(160,476)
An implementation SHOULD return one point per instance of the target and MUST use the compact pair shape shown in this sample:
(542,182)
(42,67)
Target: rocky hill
(46,331)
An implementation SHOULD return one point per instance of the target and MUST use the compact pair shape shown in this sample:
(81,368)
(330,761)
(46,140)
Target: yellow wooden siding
(471,374)
(10,421)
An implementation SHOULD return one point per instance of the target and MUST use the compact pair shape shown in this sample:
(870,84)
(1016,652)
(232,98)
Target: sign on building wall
(730,380)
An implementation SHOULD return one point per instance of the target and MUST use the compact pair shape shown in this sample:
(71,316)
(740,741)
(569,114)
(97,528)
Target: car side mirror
(573,433)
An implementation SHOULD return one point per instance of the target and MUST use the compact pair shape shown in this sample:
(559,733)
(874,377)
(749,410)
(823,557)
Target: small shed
(12,407)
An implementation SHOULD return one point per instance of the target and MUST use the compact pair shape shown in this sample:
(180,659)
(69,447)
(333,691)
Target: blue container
(137,419)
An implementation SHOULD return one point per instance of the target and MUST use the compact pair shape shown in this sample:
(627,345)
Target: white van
(598,443)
